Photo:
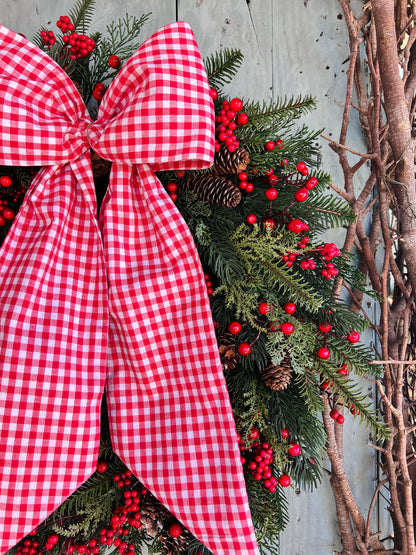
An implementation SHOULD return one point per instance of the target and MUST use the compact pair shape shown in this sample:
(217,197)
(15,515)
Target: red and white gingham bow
(119,302)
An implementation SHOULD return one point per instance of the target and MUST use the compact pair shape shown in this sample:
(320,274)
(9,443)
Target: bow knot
(76,139)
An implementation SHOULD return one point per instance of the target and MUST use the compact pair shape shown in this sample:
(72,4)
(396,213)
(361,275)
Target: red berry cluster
(327,252)
(127,514)
(6,213)
(228,119)
(123,479)
(48,38)
(244,184)
(172,188)
(324,253)
(18,193)
(51,542)
(79,45)
(302,168)
(261,457)
(303,187)
(64,23)
(75,46)
(208,283)
(29,546)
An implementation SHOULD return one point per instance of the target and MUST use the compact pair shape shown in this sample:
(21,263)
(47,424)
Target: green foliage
(223,65)
(274,116)
(81,15)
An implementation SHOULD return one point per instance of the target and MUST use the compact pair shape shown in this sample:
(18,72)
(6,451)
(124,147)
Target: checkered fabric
(117,301)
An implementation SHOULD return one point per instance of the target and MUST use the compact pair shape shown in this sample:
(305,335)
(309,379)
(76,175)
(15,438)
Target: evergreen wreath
(284,339)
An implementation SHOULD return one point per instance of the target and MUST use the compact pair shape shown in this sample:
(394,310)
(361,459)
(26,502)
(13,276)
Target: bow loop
(40,106)
(158,110)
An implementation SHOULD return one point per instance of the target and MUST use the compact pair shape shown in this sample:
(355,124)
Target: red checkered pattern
(119,302)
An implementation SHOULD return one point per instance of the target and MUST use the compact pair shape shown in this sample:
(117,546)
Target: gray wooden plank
(237,24)
(27,17)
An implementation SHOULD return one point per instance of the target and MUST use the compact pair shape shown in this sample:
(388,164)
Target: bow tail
(53,341)
(169,410)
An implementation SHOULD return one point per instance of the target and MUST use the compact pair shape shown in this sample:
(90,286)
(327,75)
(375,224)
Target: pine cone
(212,188)
(278,376)
(226,162)
(174,546)
(228,352)
(153,514)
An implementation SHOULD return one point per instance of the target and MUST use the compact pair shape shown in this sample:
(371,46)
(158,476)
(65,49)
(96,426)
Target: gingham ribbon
(118,302)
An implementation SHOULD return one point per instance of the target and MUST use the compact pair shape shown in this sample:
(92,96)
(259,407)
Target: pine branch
(223,65)
(274,115)
(81,15)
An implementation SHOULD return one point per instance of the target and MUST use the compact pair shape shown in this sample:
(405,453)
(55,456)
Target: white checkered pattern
(118,303)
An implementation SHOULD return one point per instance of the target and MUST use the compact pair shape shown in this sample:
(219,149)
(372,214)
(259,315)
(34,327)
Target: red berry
(323,353)
(214,94)
(334,414)
(295,226)
(102,467)
(294,450)
(243,176)
(289,308)
(242,119)
(340,419)
(279,143)
(244,349)
(251,219)
(249,188)
(269,222)
(9,214)
(353,336)
(264,308)
(270,145)
(236,104)
(175,530)
(284,480)
(325,328)
(234,328)
(311,183)
(301,194)
(114,62)
(302,169)
(287,328)
(284,432)
(325,386)
(343,370)
(5,181)
(271,193)
(98,94)
(53,539)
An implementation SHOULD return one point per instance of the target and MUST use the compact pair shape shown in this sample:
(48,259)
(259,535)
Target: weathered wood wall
(290,47)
